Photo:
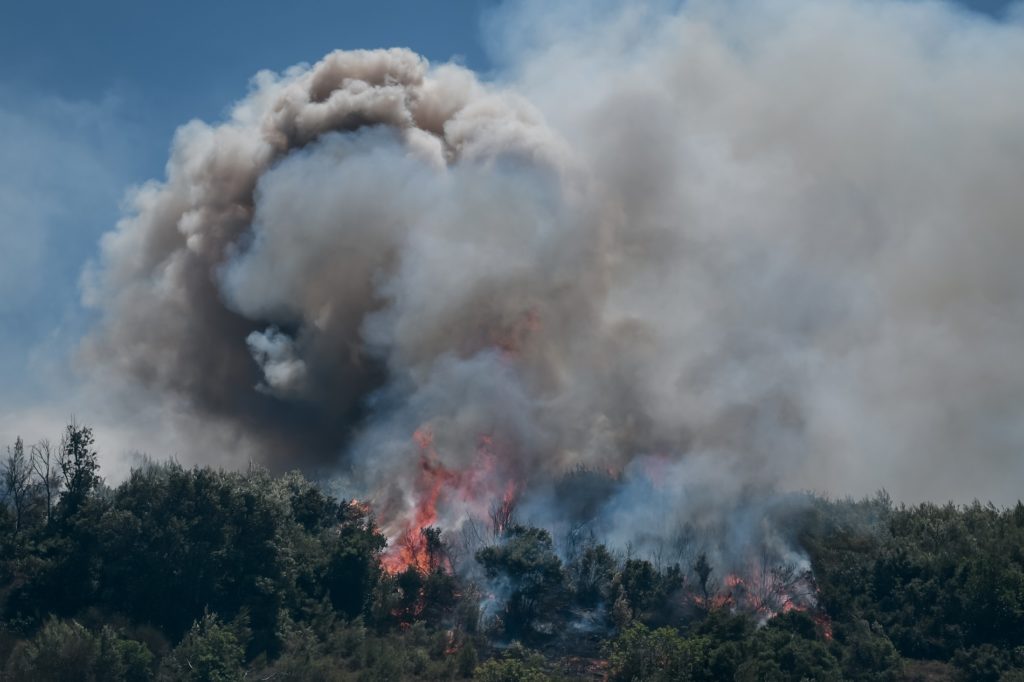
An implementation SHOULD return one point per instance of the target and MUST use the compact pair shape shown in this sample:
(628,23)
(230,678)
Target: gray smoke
(759,245)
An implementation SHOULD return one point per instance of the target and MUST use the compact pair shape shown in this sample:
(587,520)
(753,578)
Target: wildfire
(451,644)
(825,623)
(415,543)
(769,593)
(362,507)
(476,487)
(410,549)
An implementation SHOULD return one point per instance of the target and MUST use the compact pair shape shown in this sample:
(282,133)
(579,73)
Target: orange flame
(767,595)
(437,484)
(410,549)
(362,507)
(825,623)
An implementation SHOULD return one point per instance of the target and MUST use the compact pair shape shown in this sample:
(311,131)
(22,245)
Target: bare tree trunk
(16,473)
(44,466)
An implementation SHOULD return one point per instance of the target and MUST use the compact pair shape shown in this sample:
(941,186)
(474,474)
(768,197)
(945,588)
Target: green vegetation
(198,574)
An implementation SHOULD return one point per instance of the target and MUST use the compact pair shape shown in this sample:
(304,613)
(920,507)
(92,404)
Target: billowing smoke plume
(712,252)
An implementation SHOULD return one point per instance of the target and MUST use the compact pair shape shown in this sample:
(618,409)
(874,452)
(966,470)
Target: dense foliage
(199,574)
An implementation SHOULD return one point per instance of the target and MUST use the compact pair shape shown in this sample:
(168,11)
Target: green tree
(61,651)
(210,652)
(79,466)
(786,658)
(640,653)
(702,569)
(591,574)
(867,654)
(519,665)
(466,660)
(526,564)
(66,650)
(648,591)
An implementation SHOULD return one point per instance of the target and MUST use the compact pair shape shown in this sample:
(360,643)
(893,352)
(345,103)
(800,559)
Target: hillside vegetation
(202,574)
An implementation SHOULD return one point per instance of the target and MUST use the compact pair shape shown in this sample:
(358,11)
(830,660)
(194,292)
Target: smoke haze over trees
(520,374)
(776,239)
(200,574)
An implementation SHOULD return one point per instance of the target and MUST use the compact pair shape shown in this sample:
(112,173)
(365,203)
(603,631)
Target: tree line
(202,574)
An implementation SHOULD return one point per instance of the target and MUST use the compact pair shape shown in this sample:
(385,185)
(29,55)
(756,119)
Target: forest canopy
(202,574)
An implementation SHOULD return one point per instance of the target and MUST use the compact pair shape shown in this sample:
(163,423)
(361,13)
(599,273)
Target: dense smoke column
(257,281)
(398,272)
(743,247)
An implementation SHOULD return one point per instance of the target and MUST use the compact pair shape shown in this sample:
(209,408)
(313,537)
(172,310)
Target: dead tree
(502,515)
(17,482)
(43,463)
(779,586)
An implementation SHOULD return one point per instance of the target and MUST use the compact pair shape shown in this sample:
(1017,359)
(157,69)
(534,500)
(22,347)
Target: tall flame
(438,485)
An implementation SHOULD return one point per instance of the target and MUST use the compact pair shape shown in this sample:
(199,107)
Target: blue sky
(90,95)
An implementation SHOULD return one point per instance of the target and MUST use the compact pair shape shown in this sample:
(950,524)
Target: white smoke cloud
(276,355)
(820,200)
(773,244)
